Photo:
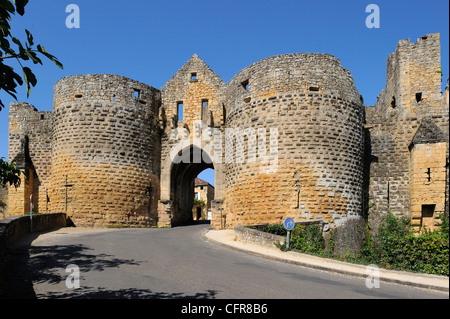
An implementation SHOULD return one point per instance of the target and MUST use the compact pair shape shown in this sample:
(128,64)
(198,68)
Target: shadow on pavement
(129,293)
(26,264)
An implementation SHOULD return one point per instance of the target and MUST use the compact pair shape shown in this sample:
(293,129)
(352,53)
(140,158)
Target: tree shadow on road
(27,264)
(128,293)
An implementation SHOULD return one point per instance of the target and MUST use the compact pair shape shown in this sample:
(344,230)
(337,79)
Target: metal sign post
(287,238)
(289,225)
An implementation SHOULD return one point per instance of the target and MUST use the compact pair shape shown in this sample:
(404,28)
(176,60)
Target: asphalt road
(169,263)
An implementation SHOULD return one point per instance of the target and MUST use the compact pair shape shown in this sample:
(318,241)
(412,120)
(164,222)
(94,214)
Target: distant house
(203,196)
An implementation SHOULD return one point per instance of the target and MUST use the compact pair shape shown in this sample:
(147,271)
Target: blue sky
(150,40)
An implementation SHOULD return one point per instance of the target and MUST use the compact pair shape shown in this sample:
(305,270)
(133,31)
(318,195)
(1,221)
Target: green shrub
(276,229)
(397,247)
(444,225)
(308,239)
(199,202)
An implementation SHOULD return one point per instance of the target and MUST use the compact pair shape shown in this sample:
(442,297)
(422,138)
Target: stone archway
(182,185)
(177,185)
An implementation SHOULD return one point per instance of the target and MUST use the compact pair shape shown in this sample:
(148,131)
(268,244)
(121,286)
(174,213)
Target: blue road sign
(289,223)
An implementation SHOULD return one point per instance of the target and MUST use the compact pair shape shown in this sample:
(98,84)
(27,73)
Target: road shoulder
(227,238)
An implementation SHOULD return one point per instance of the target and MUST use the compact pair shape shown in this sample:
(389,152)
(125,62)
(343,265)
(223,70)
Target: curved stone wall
(106,150)
(312,104)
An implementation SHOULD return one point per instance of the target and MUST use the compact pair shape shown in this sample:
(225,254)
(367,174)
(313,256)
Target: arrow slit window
(180,111)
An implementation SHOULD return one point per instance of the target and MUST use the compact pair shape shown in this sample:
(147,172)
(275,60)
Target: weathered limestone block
(348,238)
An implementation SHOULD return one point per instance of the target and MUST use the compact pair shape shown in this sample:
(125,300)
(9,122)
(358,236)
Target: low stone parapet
(13,228)
(254,236)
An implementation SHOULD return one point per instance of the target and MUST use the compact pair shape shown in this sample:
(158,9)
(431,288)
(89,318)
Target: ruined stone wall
(413,92)
(312,102)
(30,146)
(106,150)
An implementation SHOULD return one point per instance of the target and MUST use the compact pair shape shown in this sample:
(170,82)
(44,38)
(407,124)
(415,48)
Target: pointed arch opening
(186,167)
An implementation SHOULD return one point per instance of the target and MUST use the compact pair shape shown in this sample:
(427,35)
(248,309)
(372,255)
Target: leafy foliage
(276,229)
(199,202)
(12,48)
(398,247)
(308,239)
(9,174)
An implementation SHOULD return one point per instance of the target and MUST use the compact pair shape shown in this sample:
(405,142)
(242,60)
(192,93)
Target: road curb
(423,281)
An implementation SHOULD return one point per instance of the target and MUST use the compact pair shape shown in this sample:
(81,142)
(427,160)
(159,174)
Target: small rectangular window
(204,108)
(137,93)
(428,210)
(180,111)
(393,103)
(245,85)
(194,76)
(418,96)
(314,89)
(427,219)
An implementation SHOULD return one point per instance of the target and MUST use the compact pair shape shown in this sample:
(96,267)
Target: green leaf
(7,5)
(29,37)
(20,6)
(9,174)
(4,43)
(33,56)
(16,41)
(30,79)
(42,50)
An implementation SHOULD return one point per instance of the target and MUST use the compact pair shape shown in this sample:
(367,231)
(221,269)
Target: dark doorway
(199,213)
(187,165)
(427,220)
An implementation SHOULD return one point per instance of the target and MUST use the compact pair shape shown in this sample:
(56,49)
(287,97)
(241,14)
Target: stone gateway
(288,136)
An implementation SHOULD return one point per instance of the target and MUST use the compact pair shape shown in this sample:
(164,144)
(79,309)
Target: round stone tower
(300,120)
(106,151)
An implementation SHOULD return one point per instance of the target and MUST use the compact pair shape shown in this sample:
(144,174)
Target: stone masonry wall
(413,91)
(427,189)
(288,136)
(106,150)
(202,92)
(206,194)
(30,146)
(313,104)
